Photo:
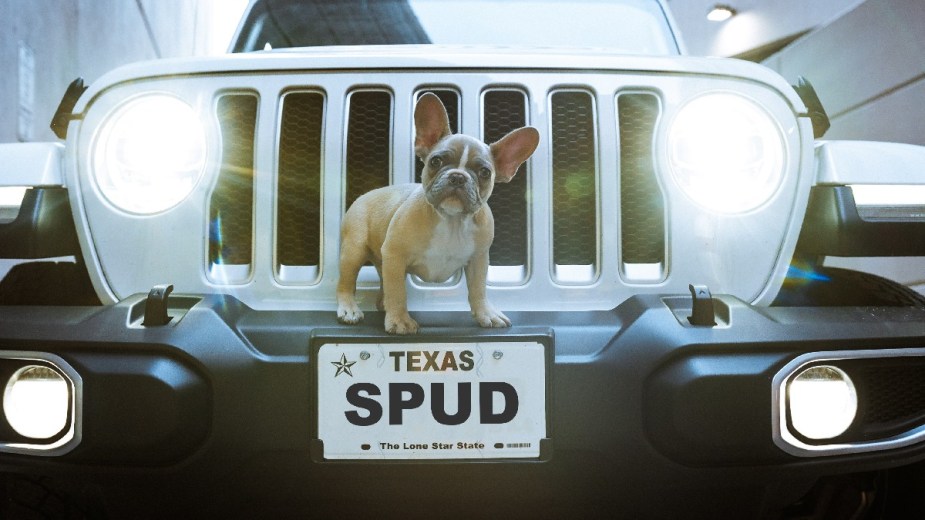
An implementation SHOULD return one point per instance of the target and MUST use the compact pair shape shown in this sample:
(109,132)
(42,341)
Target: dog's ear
(512,150)
(431,124)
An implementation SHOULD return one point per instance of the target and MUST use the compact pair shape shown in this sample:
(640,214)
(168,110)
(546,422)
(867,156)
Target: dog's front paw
(400,324)
(490,318)
(349,314)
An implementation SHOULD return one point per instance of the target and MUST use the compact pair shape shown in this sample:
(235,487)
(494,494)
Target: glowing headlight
(149,154)
(726,153)
(36,402)
(822,402)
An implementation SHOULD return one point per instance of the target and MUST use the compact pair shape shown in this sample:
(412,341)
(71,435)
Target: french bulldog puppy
(434,228)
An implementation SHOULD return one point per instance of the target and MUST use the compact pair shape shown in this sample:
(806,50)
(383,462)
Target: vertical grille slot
(574,179)
(231,208)
(369,142)
(298,219)
(450,100)
(505,110)
(642,204)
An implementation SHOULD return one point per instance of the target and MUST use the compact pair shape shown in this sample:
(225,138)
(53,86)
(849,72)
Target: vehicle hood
(409,57)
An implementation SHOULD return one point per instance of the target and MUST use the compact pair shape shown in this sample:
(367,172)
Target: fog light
(36,402)
(822,401)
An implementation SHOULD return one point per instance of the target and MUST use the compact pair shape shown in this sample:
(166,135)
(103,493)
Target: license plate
(431,400)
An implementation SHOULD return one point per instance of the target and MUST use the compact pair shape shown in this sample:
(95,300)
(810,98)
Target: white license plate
(431,400)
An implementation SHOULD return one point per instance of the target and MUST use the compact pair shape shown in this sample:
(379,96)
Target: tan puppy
(431,229)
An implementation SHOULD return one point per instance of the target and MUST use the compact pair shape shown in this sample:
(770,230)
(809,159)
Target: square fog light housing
(845,402)
(40,405)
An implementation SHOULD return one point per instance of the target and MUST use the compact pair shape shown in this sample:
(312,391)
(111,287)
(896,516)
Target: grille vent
(368,165)
(574,174)
(369,142)
(298,227)
(504,111)
(231,208)
(642,207)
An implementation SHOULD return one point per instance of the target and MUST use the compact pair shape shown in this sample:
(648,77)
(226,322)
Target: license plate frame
(422,444)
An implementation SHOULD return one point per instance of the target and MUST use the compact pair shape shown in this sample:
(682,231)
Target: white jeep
(677,349)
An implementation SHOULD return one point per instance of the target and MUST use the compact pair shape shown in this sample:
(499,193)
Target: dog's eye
(485,172)
(436,162)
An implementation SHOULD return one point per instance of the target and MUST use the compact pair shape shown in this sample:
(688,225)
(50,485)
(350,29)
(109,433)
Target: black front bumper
(649,415)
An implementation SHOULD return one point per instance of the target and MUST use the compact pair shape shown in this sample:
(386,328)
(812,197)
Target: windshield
(626,26)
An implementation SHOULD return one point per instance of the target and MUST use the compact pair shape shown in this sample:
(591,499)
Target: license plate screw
(497,354)
(364,355)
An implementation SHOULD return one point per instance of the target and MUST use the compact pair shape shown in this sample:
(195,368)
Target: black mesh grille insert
(298,227)
(450,100)
(891,396)
(574,223)
(642,208)
(369,142)
(504,111)
(231,209)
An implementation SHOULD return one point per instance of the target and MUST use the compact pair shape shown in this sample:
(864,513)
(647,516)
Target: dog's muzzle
(455,183)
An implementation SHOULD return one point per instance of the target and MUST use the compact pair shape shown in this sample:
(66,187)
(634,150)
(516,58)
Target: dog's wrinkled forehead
(462,152)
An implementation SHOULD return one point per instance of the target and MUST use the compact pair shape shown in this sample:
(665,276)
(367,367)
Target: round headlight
(36,402)
(726,153)
(822,401)
(149,154)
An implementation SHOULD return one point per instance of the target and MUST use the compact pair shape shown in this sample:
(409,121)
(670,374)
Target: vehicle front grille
(591,219)
(304,152)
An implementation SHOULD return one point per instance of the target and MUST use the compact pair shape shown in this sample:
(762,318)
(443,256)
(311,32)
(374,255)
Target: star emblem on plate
(343,366)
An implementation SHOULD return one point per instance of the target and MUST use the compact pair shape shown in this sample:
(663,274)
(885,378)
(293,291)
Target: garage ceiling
(759,28)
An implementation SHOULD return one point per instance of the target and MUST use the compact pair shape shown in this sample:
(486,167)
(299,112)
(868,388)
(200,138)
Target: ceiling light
(720,13)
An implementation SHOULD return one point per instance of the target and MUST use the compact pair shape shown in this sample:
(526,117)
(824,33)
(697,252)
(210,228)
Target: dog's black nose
(457,178)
